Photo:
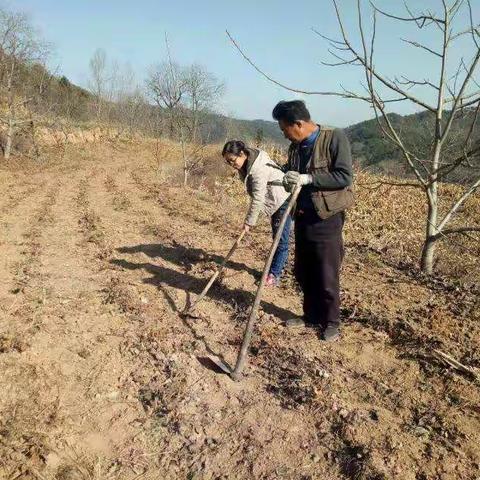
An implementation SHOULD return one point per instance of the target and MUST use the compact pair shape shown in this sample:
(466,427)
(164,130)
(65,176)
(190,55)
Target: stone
(420,431)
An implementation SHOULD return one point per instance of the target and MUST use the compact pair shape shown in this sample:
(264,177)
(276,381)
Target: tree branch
(457,101)
(455,231)
(421,46)
(421,20)
(276,82)
(412,83)
(444,170)
(473,30)
(390,183)
(390,132)
(369,66)
(458,204)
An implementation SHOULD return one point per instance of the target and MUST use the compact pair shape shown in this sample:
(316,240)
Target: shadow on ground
(185,256)
(235,298)
(161,277)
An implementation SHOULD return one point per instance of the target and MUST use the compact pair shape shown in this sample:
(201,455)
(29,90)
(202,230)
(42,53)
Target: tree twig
(456,364)
(286,87)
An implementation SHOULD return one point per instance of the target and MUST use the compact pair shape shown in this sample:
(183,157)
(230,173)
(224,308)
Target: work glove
(292,178)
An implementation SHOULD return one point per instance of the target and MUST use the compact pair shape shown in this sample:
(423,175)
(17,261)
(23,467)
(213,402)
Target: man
(319,159)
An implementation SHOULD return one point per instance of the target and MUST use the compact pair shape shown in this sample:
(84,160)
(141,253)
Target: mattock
(236,374)
(189,310)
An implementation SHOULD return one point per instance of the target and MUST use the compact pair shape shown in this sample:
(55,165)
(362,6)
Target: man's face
(293,131)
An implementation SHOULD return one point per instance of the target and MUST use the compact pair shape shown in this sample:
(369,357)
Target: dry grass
(388,220)
(24,444)
(391,220)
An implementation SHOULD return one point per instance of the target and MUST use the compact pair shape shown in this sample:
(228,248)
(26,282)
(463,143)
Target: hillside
(74,103)
(368,147)
(218,128)
(371,151)
(268,130)
(103,379)
(67,101)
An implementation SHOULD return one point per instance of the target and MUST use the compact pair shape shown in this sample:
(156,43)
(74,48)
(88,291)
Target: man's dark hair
(291,112)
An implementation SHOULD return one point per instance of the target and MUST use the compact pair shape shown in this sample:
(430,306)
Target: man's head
(294,120)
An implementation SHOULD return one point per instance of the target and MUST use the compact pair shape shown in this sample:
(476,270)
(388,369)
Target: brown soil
(101,378)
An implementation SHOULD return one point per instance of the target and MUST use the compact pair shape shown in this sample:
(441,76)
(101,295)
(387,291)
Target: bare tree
(187,95)
(99,80)
(127,102)
(450,138)
(20,50)
(203,90)
(231,127)
(167,87)
(131,108)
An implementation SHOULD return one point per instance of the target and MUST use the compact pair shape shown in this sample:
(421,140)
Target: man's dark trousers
(318,258)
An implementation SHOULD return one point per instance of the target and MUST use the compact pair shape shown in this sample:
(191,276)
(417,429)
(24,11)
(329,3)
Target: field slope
(100,378)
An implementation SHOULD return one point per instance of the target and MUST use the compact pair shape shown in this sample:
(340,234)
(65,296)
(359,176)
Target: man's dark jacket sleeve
(340,175)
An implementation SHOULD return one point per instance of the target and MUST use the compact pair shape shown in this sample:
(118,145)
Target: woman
(263,182)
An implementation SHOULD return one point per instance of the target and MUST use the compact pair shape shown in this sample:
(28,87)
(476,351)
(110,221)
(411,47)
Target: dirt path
(103,379)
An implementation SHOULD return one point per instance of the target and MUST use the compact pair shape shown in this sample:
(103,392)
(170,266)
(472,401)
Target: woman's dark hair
(291,112)
(235,147)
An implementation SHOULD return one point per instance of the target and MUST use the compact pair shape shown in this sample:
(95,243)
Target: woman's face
(235,161)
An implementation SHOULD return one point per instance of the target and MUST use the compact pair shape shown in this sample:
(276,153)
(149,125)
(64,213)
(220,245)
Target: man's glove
(292,178)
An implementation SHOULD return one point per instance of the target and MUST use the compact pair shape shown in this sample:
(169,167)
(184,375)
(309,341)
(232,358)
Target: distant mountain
(219,128)
(61,98)
(76,102)
(370,150)
(368,146)
(268,130)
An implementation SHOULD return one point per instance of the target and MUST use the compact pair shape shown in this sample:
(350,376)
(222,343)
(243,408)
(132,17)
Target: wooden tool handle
(247,336)
(217,272)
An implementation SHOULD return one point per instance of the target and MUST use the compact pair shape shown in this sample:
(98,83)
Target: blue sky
(275,33)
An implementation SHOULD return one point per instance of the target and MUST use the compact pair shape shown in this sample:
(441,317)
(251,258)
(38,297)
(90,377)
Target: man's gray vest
(326,202)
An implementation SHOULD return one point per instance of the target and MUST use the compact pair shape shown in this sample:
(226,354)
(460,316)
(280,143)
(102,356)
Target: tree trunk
(185,161)
(428,251)
(9,141)
(428,255)
(36,148)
